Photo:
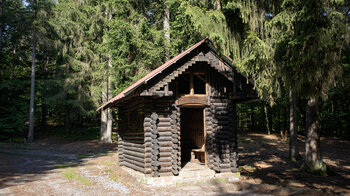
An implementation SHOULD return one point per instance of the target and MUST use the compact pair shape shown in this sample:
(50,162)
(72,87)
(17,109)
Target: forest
(60,60)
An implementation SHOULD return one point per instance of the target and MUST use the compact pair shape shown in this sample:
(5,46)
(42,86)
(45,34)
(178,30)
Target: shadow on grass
(23,163)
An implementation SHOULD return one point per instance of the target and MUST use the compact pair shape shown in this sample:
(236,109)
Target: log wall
(132,143)
(221,135)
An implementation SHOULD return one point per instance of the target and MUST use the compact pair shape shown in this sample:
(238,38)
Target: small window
(199,83)
(184,84)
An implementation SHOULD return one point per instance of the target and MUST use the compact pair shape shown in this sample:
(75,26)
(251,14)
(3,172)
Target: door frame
(204,128)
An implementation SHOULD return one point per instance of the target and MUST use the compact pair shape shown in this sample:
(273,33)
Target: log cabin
(183,111)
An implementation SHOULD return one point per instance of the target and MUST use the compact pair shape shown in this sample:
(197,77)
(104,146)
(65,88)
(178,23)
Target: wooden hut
(182,110)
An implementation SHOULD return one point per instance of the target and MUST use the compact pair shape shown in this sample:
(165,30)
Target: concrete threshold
(188,175)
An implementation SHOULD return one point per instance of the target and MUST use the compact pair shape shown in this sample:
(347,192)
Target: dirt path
(90,168)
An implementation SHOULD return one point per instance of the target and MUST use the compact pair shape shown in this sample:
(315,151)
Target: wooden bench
(198,154)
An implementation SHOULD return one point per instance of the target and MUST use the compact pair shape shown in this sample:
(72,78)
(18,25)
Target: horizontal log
(164,124)
(165,154)
(134,145)
(148,160)
(148,139)
(148,134)
(164,129)
(136,141)
(164,119)
(141,165)
(134,158)
(165,164)
(147,119)
(132,153)
(147,124)
(133,149)
(165,169)
(165,143)
(140,146)
(165,139)
(147,129)
(165,134)
(165,159)
(134,167)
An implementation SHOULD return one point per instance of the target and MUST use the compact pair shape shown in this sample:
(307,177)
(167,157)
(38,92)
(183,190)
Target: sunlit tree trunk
(217,4)
(106,114)
(313,159)
(108,135)
(103,130)
(293,126)
(166,30)
(32,87)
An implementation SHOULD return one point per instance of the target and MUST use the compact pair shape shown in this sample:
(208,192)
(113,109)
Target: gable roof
(159,70)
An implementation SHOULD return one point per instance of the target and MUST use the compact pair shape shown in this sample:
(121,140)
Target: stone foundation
(184,177)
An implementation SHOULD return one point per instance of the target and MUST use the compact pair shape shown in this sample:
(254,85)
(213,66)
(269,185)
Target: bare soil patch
(53,166)
(268,158)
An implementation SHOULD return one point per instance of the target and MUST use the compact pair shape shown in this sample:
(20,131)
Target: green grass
(71,175)
(83,155)
(246,168)
(243,141)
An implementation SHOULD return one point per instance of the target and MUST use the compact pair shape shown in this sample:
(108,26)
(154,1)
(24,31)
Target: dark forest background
(87,51)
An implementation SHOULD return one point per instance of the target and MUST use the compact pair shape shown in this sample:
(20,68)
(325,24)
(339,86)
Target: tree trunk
(217,5)
(293,126)
(267,120)
(32,90)
(108,135)
(106,114)
(313,159)
(166,30)
(278,119)
(103,131)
